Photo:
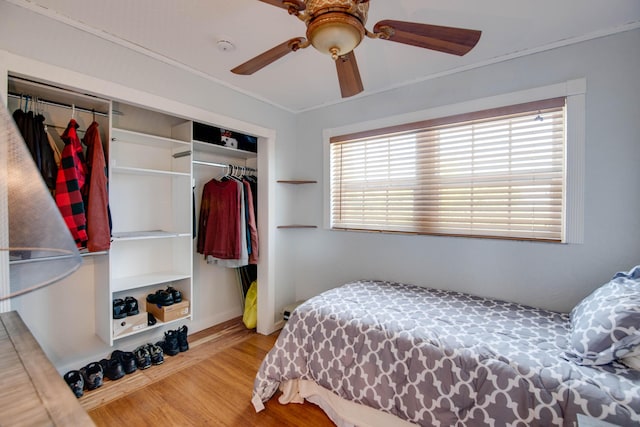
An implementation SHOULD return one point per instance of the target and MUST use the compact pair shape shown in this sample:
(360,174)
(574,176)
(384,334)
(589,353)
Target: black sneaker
(157,354)
(93,374)
(119,309)
(76,382)
(143,357)
(176,294)
(170,344)
(150,319)
(183,345)
(161,298)
(112,369)
(131,306)
(127,360)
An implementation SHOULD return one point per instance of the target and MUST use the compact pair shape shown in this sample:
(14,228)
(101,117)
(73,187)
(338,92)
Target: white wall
(553,276)
(61,316)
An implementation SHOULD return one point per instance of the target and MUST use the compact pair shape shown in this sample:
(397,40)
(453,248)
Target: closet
(213,161)
(156,171)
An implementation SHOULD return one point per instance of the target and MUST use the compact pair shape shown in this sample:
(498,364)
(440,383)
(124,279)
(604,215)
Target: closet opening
(137,129)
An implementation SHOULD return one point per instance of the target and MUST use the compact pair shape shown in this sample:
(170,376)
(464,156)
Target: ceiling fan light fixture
(335,33)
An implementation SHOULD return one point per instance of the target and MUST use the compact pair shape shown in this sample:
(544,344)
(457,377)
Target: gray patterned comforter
(441,358)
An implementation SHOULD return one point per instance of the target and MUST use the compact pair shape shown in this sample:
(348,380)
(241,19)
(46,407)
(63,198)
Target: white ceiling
(185,33)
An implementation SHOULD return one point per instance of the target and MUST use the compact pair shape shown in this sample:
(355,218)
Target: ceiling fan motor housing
(336,27)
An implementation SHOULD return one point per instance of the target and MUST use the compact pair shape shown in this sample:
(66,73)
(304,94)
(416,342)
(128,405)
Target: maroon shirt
(218,226)
(98,229)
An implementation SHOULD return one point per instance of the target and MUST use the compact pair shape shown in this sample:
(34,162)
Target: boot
(170,343)
(182,338)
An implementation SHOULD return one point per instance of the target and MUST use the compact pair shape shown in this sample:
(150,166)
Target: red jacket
(69,184)
(97,193)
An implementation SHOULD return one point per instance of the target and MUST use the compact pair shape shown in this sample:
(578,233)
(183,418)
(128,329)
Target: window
(497,173)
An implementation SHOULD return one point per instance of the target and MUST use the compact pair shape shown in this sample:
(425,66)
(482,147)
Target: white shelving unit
(151,206)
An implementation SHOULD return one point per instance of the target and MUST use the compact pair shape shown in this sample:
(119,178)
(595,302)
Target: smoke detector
(225,46)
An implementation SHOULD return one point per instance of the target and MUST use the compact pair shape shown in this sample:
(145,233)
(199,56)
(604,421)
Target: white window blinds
(496,173)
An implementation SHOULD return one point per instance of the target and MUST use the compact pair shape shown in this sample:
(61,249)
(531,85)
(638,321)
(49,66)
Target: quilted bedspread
(442,358)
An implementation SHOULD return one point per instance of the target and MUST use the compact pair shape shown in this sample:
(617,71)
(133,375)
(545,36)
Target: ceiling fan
(336,27)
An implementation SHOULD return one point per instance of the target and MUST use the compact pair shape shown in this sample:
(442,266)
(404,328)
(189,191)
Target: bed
(384,353)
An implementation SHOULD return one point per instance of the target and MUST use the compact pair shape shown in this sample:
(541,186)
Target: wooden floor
(209,385)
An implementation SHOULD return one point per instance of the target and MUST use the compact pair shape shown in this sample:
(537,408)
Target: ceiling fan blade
(287,4)
(349,75)
(457,41)
(272,55)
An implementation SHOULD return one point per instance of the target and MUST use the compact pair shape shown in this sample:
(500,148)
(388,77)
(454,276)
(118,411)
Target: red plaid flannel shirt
(69,184)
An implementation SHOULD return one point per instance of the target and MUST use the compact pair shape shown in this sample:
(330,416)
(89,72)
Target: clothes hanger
(40,108)
(227,171)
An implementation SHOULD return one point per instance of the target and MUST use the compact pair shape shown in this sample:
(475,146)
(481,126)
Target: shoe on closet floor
(143,357)
(112,369)
(170,344)
(93,375)
(75,381)
(183,345)
(156,353)
(127,359)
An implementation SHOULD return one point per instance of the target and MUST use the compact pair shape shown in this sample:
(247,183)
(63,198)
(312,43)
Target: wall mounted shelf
(293,181)
(297,182)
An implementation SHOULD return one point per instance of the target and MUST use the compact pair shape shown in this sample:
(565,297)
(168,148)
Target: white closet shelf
(133,137)
(143,171)
(151,234)
(121,284)
(148,328)
(205,147)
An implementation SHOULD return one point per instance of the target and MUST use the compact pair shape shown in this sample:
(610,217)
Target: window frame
(573,90)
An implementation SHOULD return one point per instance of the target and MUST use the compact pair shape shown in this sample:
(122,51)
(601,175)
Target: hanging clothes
(33,132)
(251,223)
(48,165)
(96,193)
(57,154)
(227,230)
(243,259)
(70,183)
(218,230)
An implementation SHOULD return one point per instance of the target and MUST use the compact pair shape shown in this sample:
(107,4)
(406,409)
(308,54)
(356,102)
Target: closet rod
(222,165)
(58,104)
